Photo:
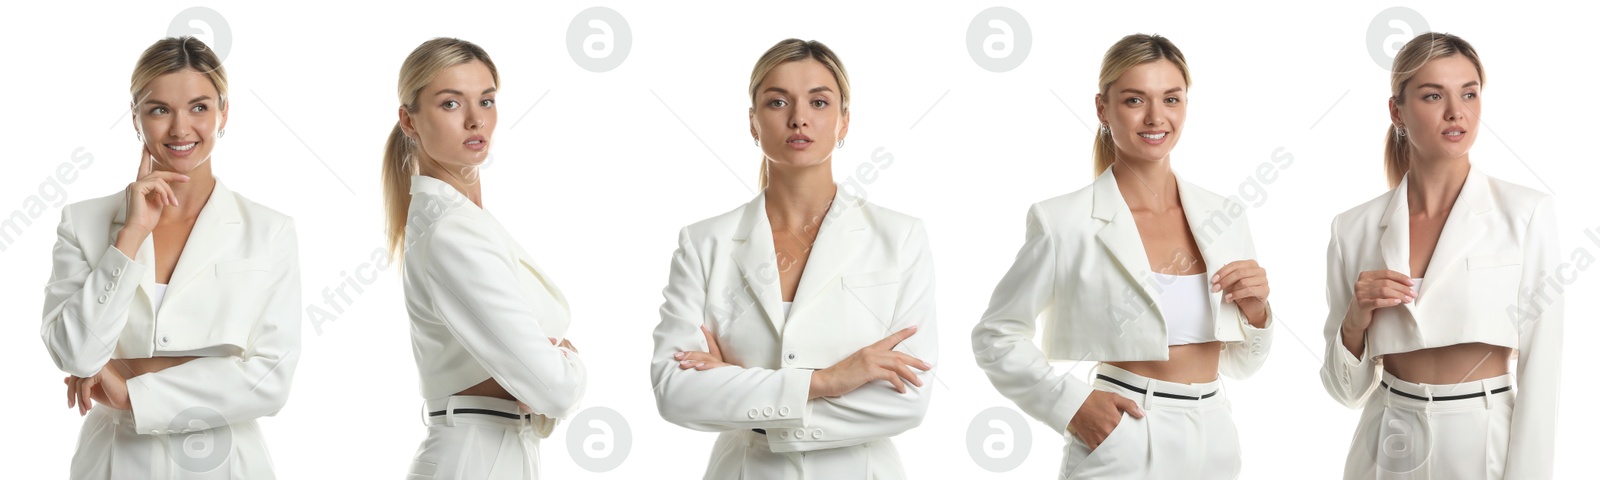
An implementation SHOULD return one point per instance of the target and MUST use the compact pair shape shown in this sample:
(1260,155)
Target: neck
(797,197)
(192,195)
(1434,183)
(1147,185)
(473,190)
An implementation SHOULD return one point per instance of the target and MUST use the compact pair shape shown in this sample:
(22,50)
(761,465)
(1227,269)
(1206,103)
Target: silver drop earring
(1399,131)
(757,140)
(222,132)
(1105,130)
(840,145)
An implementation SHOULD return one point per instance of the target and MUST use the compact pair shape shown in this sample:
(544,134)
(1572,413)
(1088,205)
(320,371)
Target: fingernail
(684,363)
(677,356)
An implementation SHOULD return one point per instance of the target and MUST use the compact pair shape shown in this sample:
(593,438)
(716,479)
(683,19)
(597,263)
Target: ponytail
(1396,156)
(1105,151)
(398,168)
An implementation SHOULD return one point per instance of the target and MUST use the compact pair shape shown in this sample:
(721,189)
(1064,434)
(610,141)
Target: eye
(1470,95)
(450,104)
(819,103)
(486,103)
(198,108)
(777,103)
(1172,100)
(158,111)
(1134,101)
(1431,97)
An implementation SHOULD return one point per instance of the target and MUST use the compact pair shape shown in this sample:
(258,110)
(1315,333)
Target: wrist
(819,384)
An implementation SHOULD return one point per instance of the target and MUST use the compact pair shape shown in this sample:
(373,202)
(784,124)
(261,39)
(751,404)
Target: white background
(598,177)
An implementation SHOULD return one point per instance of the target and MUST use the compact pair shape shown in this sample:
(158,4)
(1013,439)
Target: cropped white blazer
(869,274)
(1491,280)
(481,308)
(1083,268)
(233,298)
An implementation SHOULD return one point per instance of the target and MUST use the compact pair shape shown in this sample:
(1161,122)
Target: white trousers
(475,439)
(745,454)
(1460,434)
(1192,437)
(110,448)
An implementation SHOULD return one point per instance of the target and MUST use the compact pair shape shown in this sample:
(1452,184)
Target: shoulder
(1366,215)
(262,216)
(99,210)
(1516,200)
(722,225)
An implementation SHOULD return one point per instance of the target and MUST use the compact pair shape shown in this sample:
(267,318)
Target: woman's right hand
(878,361)
(1373,290)
(145,198)
(1101,413)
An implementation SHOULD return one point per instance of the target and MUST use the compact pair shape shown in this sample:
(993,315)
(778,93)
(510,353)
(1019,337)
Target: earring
(1105,129)
(758,141)
(1399,131)
(139,135)
(222,132)
(840,145)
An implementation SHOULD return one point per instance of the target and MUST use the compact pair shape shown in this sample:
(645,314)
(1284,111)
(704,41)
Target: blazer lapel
(216,230)
(758,260)
(1462,227)
(838,243)
(1198,210)
(1120,236)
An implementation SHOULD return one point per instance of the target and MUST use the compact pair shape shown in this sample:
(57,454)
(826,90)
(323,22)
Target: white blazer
(869,274)
(1490,280)
(480,308)
(234,298)
(1083,267)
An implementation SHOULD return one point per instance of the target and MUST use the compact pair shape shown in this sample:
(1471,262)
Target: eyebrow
(813,90)
(452,91)
(1473,83)
(1141,92)
(195,100)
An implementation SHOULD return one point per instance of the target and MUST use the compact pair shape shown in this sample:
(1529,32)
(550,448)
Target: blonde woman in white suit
(1438,287)
(487,324)
(1150,276)
(799,325)
(175,304)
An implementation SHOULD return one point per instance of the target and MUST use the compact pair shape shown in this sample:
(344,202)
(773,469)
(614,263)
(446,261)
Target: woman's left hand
(1245,284)
(107,387)
(702,360)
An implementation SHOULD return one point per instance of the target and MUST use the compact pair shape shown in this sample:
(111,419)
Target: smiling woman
(153,344)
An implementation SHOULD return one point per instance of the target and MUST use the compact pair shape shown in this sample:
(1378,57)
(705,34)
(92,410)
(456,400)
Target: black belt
(1122,384)
(483,411)
(1444,398)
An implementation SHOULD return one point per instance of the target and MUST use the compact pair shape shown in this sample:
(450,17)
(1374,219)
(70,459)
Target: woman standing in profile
(1437,287)
(486,322)
(796,324)
(175,304)
(1147,274)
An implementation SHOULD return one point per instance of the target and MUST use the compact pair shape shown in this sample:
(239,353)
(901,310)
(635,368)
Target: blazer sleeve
(1003,340)
(876,410)
(1241,360)
(1347,378)
(473,287)
(236,389)
(723,398)
(1531,449)
(86,305)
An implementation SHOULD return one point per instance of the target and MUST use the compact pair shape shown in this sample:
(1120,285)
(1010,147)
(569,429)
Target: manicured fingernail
(677,356)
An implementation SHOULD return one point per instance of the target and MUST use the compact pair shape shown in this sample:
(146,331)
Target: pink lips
(798,141)
(181,153)
(480,144)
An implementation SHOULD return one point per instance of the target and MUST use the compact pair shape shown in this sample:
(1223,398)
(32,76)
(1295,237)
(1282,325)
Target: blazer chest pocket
(875,292)
(243,265)
(1493,280)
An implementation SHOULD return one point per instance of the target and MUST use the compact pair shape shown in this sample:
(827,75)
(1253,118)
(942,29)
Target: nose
(474,120)
(1453,110)
(799,118)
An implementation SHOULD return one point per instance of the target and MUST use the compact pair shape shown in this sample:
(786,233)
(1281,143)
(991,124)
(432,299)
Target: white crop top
(155,298)
(1186,305)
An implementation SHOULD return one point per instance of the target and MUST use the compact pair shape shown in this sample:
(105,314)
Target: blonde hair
(1132,51)
(1411,57)
(176,54)
(793,50)
(399,154)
